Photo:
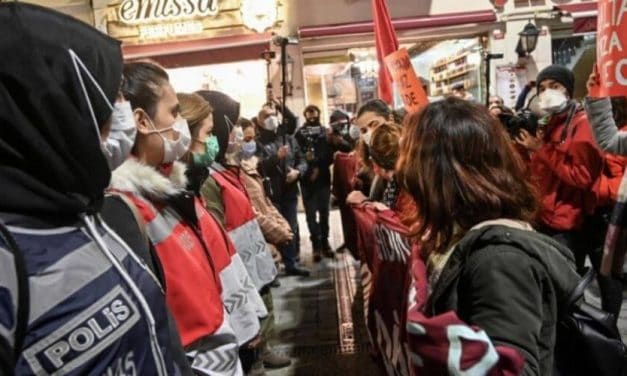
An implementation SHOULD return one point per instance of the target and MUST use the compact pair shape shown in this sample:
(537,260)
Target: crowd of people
(143,229)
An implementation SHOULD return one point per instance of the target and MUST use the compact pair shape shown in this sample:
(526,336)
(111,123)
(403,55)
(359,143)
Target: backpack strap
(578,291)
(23,299)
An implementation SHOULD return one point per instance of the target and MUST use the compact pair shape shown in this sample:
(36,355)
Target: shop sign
(612,41)
(135,12)
(405,79)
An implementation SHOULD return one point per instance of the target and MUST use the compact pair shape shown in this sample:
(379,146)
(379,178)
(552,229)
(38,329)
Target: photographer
(339,138)
(316,182)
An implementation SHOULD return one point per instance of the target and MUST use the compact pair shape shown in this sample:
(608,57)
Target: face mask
(271,124)
(367,137)
(553,101)
(121,138)
(354,132)
(212,148)
(249,149)
(174,150)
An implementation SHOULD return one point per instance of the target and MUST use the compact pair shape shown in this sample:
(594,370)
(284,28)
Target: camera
(310,136)
(340,127)
(524,119)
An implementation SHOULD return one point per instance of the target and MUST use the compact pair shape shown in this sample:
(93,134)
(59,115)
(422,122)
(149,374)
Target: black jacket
(275,169)
(313,138)
(510,283)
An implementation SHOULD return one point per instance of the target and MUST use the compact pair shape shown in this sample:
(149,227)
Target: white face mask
(553,101)
(271,124)
(174,150)
(121,138)
(367,137)
(354,132)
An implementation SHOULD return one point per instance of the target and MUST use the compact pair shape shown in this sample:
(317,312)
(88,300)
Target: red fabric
(344,169)
(386,44)
(238,209)
(444,344)
(565,173)
(192,275)
(384,251)
(608,184)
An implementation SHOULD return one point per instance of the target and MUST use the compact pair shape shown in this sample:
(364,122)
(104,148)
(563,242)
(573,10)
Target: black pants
(288,207)
(316,203)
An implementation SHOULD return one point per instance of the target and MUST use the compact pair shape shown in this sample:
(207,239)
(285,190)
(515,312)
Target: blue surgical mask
(212,148)
(249,149)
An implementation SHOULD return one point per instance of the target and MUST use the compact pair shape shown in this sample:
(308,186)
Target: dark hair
(245,123)
(312,108)
(461,169)
(377,106)
(142,85)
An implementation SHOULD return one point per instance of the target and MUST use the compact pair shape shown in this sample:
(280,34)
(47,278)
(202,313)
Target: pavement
(319,320)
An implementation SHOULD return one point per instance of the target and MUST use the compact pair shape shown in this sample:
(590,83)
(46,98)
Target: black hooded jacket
(50,158)
(511,283)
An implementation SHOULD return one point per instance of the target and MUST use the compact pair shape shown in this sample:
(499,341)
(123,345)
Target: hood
(223,105)
(136,177)
(51,163)
(556,258)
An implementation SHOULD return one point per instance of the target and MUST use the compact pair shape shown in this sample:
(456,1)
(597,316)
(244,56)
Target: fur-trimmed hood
(136,177)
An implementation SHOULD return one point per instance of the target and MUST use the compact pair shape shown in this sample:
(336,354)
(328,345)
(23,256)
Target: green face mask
(212,148)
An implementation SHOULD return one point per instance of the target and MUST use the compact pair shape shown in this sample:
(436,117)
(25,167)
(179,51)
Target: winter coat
(609,137)
(565,169)
(273,225)
(321,158)
(275,169)
(207,286)
(509,282)
(243,228)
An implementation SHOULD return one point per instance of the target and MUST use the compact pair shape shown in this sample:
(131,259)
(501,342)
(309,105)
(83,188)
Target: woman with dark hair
(202,280)
(484,261)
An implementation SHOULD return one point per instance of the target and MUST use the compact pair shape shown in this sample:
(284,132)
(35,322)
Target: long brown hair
(194,109)
(460,167)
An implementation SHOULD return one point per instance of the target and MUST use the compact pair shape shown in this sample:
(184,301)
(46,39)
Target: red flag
(386,44)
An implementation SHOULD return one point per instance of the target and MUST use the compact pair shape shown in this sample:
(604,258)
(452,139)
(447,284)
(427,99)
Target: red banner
(408,84)
(386,43)
(395,288)
(611,47)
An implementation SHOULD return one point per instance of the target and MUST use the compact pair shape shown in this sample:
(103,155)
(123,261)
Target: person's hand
(355,198)
(530,142)
(292,176)
(594,83)
(314,174)
(283,152)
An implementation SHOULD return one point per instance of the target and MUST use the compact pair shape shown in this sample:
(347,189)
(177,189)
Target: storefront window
(244,81)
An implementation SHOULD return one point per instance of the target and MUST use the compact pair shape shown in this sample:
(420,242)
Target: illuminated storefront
(203,44)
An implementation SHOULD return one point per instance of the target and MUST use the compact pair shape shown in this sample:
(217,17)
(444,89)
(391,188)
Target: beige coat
(275,228)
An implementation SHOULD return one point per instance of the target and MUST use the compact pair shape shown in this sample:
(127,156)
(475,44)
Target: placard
(405,79)
(611,47)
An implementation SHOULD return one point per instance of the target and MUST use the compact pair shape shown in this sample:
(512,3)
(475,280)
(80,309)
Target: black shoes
(298,271)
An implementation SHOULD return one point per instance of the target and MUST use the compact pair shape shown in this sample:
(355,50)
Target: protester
(384,154)
(191,246)
(484,260)
(283,163)
(369,116)
(565,165)
(316,181)
(63,268)
(607,117)
(495,100)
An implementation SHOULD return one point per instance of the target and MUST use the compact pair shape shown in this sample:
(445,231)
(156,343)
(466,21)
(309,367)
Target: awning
(400,24)
(201,51)
(584,16)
